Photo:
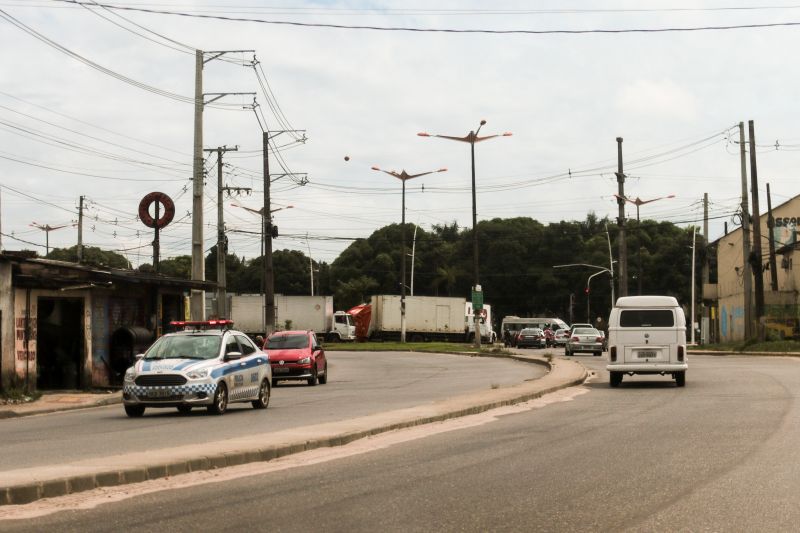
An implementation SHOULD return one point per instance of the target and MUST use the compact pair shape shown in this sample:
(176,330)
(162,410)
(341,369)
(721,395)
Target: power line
(440,30)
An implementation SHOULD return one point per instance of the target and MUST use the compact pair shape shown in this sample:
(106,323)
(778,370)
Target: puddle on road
(91,499)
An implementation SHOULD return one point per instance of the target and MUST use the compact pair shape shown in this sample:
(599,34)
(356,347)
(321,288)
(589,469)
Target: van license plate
(649,354)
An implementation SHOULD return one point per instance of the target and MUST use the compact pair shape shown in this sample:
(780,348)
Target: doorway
(59,343)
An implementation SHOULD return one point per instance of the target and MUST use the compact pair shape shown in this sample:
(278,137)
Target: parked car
(584,340)
(605,339)
(579,325)
(533,337)
(206,364)
(561,337)
(297,355)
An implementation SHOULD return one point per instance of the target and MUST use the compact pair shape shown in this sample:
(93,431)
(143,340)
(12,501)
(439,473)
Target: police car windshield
(287,342)
(185,347)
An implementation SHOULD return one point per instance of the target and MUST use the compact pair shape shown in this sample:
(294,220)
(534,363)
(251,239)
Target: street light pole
(403,176)
(639,202)
(47,228)
(588,280)
(600,270)
(472,138)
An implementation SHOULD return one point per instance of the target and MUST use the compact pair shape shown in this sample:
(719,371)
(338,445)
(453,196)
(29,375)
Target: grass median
(436,347)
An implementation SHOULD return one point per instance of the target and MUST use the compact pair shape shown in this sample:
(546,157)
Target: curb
(246,452)
(111,399)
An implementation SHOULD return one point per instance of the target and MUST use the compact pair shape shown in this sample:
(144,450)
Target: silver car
(207,364)
(584,340)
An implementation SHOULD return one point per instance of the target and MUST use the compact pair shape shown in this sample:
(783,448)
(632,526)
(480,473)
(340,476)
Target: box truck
(428,318)
(293,312)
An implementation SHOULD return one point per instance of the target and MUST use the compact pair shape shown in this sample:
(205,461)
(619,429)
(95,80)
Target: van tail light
(681,353)
(613,353)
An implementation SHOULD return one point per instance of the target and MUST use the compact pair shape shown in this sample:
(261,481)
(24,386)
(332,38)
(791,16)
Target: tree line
(516,260)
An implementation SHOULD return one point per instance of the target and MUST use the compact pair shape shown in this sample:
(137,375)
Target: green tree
(91,256)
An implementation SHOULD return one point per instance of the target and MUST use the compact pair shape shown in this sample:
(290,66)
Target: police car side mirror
(138,356)
(233,355)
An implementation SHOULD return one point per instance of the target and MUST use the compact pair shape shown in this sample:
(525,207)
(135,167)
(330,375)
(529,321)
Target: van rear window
(647,318)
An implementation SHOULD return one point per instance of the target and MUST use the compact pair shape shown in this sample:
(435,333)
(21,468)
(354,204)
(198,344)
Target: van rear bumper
(650,368)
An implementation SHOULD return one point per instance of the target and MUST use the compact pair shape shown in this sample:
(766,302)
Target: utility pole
(705,311)
(80,228)
(773,263)
(222,292)
(747,275)
(198,259)
(623,253)
(756,255)
(310,264)
(1,219)
(269,271)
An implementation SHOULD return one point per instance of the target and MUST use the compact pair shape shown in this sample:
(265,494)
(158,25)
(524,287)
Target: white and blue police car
(204,364)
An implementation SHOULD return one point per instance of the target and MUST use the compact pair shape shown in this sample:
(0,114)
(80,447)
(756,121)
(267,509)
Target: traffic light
(274,231)
(586,291)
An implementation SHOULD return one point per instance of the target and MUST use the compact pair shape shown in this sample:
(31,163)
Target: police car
(205,364)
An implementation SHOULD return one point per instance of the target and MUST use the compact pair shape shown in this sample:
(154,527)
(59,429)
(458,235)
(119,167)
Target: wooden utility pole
(80,228)
(266,221)
(773,263)
(747,275)
(623,253)
(756,257)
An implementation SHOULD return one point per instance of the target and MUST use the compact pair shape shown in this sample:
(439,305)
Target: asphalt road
(360,384)
(720,454)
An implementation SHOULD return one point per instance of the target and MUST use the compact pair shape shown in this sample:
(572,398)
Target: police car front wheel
(134,411)
(220,404)
(263,396)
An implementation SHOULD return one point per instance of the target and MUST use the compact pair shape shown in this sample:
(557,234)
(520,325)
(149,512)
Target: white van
(647,335)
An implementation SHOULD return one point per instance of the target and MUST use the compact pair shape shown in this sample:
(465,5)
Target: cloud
(657,99)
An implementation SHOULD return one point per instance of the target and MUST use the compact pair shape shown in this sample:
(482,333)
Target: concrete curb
(28,485)
(731,352)
(20,410)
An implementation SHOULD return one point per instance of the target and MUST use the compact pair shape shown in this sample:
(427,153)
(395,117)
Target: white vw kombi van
(647,335)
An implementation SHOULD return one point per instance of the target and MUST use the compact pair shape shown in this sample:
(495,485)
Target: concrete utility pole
(80,228)
(757,257)
(773,263)
(623,253)
(198,303)
(747,275)
(1,219)
(222,291)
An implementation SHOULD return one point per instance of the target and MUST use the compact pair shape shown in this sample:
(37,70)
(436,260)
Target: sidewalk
(29,484)
(51,402)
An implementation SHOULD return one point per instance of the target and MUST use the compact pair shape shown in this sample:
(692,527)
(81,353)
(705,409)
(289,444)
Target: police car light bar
(202,324)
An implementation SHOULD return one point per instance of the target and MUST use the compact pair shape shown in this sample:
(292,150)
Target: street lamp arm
(601,269)
(406,176)
(506,134)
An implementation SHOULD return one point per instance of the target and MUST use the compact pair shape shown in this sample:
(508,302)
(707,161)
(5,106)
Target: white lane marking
(93,498)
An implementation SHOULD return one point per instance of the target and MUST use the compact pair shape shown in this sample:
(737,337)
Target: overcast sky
(69,126)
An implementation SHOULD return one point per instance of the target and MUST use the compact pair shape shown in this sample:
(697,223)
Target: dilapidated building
(781,310)
(70,326)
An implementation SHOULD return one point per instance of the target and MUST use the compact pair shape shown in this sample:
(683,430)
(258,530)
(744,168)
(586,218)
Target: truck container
(428,318)
(314,313)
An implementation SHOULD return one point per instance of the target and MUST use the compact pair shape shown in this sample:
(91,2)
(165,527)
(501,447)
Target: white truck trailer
(428,318)
(293,312)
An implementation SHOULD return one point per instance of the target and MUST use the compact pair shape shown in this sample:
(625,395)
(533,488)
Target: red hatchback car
(296,355)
